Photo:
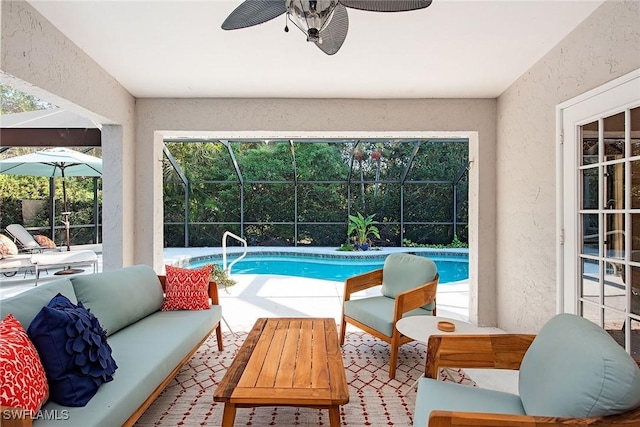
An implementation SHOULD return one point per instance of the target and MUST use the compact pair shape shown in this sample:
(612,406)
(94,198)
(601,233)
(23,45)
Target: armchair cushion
(403,272)
(575,369)
(445,396)
(377,312)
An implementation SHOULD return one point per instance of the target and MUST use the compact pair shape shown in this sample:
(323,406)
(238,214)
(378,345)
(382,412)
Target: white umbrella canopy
(54,162)
(59,161)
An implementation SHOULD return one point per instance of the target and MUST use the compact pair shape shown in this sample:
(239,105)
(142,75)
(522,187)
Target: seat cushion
(377,312)
(575,369)
(447,396)
(403,272)
(146,353)
(120,297)
(45,259)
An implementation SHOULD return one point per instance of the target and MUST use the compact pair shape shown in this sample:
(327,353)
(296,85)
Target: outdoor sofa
(148,344)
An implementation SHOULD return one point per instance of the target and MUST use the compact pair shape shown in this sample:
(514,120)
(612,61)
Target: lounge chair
(27,242)
(42,261)
(12,264)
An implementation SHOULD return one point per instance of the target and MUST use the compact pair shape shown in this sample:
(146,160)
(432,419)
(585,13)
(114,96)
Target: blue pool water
(451,269)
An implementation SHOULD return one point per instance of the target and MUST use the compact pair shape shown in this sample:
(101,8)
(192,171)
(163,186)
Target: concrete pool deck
(256,296)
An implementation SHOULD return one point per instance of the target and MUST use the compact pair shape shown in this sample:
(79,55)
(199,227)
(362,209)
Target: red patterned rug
(375,400)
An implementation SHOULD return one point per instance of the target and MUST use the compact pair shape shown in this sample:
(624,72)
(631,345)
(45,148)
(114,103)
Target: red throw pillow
(187,289)
(23,382)
(44,241)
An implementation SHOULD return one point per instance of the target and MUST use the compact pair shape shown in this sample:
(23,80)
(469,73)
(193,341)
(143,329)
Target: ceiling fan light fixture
(311,16)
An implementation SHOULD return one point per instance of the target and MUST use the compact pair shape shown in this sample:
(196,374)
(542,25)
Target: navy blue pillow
(73,349)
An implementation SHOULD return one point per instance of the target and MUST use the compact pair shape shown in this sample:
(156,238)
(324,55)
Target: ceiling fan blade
(386,5)
(336,32)
(253,12)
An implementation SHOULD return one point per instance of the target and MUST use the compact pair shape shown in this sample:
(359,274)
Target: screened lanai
(300,192)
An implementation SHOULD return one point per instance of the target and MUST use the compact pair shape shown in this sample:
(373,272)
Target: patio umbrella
(55,162)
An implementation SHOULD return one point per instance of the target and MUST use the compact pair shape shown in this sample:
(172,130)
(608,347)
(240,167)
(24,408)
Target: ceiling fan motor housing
(311,16)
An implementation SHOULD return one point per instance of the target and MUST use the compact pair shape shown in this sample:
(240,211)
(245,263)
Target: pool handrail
(224,250)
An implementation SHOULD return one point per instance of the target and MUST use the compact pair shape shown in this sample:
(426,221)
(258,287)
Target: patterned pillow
(7,247)
(74,351)
(44,241)
(23,382)
(187,289)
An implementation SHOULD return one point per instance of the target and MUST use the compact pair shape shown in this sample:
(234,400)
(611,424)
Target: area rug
(375,400)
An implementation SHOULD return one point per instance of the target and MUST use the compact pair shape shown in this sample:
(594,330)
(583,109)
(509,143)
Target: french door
(600,225)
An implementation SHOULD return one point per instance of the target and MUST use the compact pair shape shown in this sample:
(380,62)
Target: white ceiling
(452,49)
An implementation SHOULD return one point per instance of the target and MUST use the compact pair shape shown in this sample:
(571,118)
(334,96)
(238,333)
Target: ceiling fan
(324,22)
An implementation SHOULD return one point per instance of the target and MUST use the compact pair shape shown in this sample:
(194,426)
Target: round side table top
(420,328)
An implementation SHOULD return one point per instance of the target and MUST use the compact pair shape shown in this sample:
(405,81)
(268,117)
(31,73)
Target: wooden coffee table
(286,362)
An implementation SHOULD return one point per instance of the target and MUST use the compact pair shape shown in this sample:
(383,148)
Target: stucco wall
(40,60)
(158,116)
(605,46)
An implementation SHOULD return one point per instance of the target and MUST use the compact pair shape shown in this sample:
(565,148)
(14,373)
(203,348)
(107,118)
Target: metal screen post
(455,210)
(52,208)
(187,214)
(402,215)
(96,212)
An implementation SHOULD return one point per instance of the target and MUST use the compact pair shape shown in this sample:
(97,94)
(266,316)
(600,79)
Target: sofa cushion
(23,382)
(146,353)
(403,272)
(187,289)
(26,305)
(377,312)
(74,351)
(447,396)
(575,369)
(120,297)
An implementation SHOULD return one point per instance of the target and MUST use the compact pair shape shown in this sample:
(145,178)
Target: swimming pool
(451,268)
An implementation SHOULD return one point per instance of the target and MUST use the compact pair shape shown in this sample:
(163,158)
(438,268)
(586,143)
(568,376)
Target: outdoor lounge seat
(409,285)
(571,373)
(27,242)
(64,259)
(42,261)
(15,263)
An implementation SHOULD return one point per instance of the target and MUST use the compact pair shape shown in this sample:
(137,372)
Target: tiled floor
(255,296)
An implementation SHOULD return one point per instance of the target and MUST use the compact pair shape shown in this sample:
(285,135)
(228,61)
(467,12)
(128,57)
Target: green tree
(15,101)
(272,186)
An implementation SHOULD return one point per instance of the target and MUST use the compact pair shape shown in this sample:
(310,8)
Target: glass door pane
(609,214)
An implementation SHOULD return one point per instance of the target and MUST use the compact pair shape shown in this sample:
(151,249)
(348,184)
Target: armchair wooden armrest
(15,417)
(414,298)
(361,282)
(493,351)
(473,419)
(215,300)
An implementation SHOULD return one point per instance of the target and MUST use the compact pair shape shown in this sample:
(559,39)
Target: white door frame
(609,98)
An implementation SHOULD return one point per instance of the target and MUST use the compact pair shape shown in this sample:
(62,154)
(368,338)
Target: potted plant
(221,277)
(362,228)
